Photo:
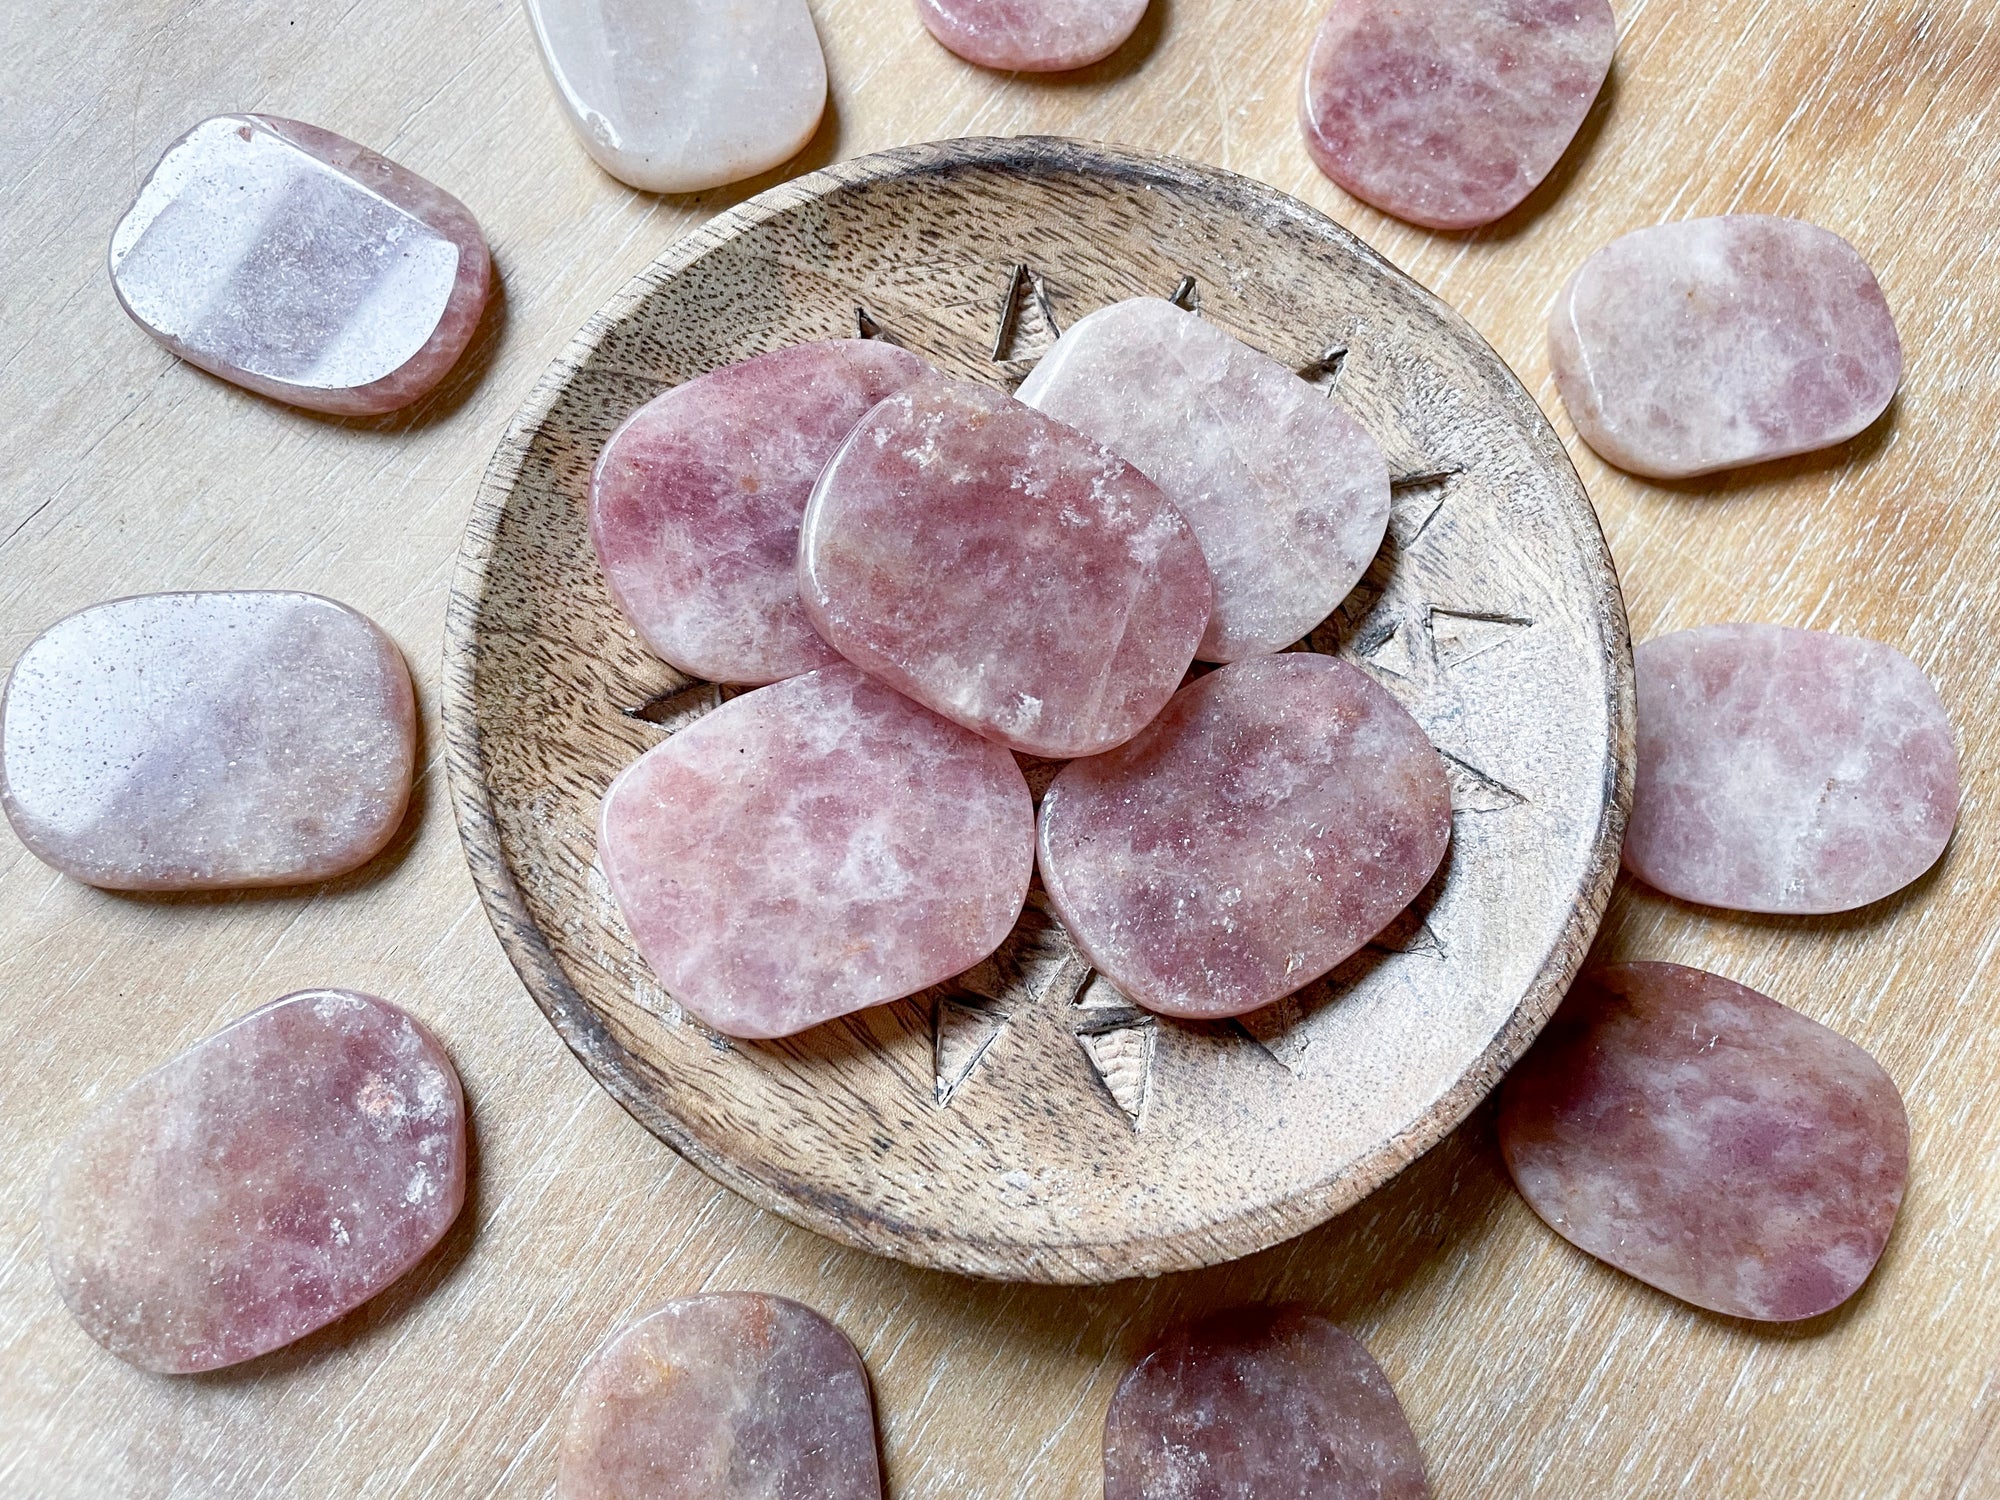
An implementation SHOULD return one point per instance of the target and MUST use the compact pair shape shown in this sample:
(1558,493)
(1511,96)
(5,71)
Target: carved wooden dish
(1023,1122)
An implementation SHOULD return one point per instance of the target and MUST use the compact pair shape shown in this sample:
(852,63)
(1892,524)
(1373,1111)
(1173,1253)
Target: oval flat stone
(1448,113)
(268,1180)
(695,504)
(1287,494)
(1032,36)
(1260,1404)
(1277,816)
(1004,570)
(1786,770)
(192,741)
(1705,345)
(1709,1141)
(302,266)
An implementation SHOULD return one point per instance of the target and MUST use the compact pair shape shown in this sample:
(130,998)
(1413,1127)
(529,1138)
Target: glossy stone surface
(1287,494)
(266,1181)
(1260,1404)
(1032,36)
(695,504)
(673,96)
(1786,770)
(1277,816)
(302,266)
(189,741)
(1709,1141)
(813,848)
(1448,113)
(1704,345)
(729,1396)
(1003,570)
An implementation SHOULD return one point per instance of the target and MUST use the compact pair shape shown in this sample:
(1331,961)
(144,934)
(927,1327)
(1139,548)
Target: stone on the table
(1277,816)
(1004,570)
(816,847)
(1032,36)
(263,1183)
(728,1396)
(695,504)
(1712,343)
(1448,113)
(1287,494)
(302,266)
(1786,770)
(1709,1141)
(204,740)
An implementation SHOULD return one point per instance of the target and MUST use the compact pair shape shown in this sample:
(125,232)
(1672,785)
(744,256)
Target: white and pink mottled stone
(1448,113)
(1287,494)
(813,848)
(1003,570)
(1709,1141)
(1032,36)
(1712,343)
(1276,817)
(302,266)
(1787,770)
(695,504)
(208,740)
(268,1180)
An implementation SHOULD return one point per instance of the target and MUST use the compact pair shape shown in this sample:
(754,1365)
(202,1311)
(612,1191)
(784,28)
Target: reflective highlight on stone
(1032,36)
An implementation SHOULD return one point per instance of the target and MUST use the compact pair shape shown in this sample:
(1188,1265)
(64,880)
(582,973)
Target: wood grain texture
(1528,1369)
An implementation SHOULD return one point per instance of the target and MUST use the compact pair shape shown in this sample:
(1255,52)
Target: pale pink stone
(189,741)
(729,1396)
(695,504)
(1276,817)
(266,1181)
(1787,770)
(1709,1141)
(1448,113)
(1032,36)
(1004,570)
(1287,494)
(299,265)
(1712,343)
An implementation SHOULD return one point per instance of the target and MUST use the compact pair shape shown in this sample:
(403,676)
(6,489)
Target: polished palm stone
(1709,1141)
(1032,36)
(266,1181)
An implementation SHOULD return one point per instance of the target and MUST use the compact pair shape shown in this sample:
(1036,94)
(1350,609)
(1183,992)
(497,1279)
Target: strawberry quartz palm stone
(1032,36)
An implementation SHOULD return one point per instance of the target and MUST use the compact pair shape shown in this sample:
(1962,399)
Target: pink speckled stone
(1709,1141)
(695,504)
(1032,36)
(1277,816)
(1287,494)
(729,1396)
(1448,113)
(1704,345)
(1260,1404)
(263,1183)
(1004,570)
(813,848)
(1787,770)
(302,266)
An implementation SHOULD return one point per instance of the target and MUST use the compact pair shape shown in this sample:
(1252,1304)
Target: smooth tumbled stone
(1787,770)
(299,265)
(1448,113)
(1032,36)
(263,1183)
(674,96)
(813,848)
(1004,570)
(1709,1141)
(1277,816)
(1287,494)
(1712,343)
(191,741)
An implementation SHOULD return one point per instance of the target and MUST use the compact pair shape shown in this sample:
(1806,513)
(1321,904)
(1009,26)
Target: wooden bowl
(1023,1122)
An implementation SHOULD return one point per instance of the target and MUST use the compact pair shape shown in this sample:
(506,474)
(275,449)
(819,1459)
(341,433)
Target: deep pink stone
(1277,816)
(1787,770)
(1032,36)
(263,1183)
(1709,1141)
(1004,570)
(695,504)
